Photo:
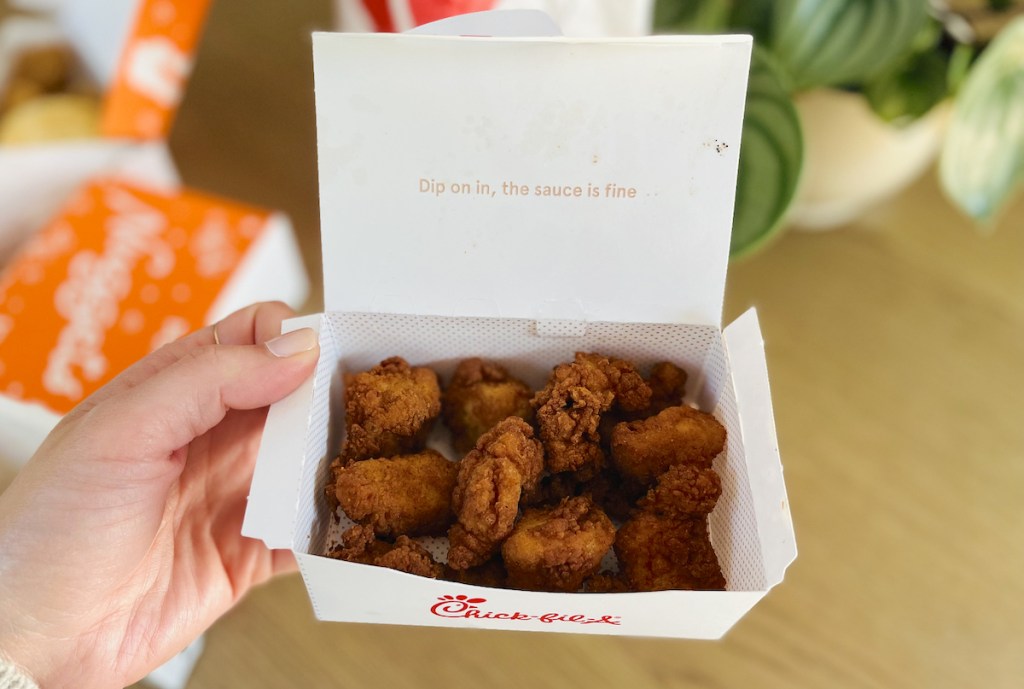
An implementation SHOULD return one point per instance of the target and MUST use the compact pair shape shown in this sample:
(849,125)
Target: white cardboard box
(436,276)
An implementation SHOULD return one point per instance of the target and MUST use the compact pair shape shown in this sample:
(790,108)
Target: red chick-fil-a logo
(461,606)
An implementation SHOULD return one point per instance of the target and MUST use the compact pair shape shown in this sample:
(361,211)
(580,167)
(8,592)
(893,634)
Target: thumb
(149,422)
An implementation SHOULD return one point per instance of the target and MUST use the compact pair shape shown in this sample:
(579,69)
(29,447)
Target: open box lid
(435,151)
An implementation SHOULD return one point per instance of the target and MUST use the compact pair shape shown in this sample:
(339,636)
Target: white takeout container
(435,276)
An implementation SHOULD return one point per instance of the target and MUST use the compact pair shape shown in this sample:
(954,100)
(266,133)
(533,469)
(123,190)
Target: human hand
(120,538)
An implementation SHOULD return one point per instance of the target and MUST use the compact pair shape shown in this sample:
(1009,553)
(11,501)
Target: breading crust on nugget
(656,553)
(359,544)
(570,406)
(389,410)
(556,548)
(481,394)
(644,450)
(408,494)
(506,461)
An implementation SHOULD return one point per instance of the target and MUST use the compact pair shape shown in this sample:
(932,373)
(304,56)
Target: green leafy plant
(904,56)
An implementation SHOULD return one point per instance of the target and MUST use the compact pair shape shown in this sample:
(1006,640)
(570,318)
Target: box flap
(274,492)
(529,177)
(764,466)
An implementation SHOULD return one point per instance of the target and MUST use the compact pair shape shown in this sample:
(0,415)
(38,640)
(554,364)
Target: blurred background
(877,234)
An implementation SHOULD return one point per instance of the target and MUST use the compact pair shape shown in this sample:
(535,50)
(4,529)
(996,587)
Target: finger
(185,399)
(283,562)
(254,324)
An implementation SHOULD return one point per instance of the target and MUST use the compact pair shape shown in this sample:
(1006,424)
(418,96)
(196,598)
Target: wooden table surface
(896,353)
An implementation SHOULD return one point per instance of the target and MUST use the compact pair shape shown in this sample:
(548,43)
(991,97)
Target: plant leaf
(771,155)
(691,16)
(841,42)
(910,91)
(754,16)
(983,156)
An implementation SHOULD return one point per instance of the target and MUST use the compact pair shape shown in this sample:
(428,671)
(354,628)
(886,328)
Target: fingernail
(290,344)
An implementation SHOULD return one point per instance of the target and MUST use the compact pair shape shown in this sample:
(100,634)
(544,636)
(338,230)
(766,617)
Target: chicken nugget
(668,386)
(510,439)
(632,393)
(684,490)
(491,574)
(569,411)
(359,545)
(658,553)
(643,450)
(667,383)
(556,548)
(408,494)
(570,407)
(492,478)
(389,410)
(480,395)
(606,582)
(487,512)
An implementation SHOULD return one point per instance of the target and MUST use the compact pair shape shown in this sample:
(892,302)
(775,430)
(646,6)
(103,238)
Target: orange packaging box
(120,271)
(138,54)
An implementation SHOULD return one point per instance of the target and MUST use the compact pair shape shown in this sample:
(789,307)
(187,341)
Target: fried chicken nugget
(643,450)
(480,395)
(668,386)
(408,494)
(487,512)
(570,406)
(359,544)
(607,582)
(632,393)
(666,544)
(556,548)
(491,574)
(389,409)
(506,461)
(684,491)
(658,553)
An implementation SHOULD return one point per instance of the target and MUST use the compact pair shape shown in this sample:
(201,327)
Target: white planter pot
(854,160)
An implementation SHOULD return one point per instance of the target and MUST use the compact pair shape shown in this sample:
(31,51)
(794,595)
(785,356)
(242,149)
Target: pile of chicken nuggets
(547,483)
